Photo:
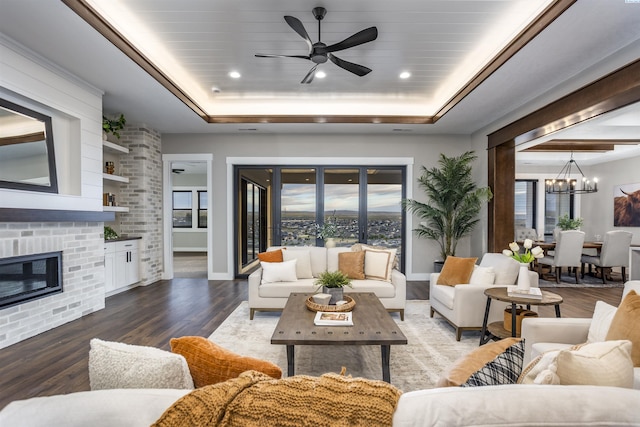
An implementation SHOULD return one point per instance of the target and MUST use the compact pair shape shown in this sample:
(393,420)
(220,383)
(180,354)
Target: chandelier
(565,184)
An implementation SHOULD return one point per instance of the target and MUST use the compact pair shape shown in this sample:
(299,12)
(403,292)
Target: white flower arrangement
(527,256)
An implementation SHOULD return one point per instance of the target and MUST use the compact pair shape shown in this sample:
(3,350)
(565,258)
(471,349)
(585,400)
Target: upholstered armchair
(567,253)
(463,305)
(614,253)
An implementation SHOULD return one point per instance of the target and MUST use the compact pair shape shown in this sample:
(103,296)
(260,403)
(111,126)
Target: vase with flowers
(524,258)
(328,231)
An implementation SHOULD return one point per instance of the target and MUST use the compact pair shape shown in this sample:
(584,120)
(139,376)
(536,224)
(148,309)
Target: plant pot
(336,294)
(437,266)
(329,243)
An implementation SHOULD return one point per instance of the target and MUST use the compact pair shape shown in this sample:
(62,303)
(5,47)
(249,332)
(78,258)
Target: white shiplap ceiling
(442,43)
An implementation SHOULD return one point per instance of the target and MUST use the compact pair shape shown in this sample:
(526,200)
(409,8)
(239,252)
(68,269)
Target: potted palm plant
(332,283)
(454,202)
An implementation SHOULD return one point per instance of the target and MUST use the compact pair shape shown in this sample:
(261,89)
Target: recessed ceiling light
(234,75)
(215,89)
(321,74)
(405,75)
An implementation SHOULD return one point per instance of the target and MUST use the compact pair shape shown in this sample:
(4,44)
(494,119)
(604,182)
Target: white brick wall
(82,275)
(143,196)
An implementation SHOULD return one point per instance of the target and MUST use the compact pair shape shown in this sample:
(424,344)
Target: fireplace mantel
(52,215)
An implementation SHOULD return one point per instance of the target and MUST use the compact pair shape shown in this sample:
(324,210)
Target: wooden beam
(52,215)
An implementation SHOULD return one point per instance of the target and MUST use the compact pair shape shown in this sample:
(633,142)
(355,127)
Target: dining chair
(526,233)
(614,253)
(568,253)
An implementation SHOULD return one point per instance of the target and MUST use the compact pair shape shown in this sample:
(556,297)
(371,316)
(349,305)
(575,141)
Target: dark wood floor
(56,361)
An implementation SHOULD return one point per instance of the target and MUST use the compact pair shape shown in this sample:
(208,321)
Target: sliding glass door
(363,202)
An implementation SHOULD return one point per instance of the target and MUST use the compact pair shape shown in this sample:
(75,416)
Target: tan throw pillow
(606,363)
(210,364)
(456,271)
(271,256)
(361,247)
(463,368)
(378,263)
(351,264)
(624,325)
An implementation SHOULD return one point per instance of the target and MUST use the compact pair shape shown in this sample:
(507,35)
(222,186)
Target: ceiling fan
(320,52)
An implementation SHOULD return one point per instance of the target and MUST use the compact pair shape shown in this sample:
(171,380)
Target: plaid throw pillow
(504,369)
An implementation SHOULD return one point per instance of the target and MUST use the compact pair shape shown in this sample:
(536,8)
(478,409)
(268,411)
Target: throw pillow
(606,363)
(600,321)
(483,276)
(271,256)
(352,264)
(465,367)
(210,364)
(361,247)
(504,369)
(279,271)
(456,271)
(118,365)
(303,266)
(378,263)
(624,325)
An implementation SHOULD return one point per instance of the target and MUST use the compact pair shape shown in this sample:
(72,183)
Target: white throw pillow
(279,271)
(482,276)
(601,321)
(378,263)
(118,365)
(606,363)
(303,266)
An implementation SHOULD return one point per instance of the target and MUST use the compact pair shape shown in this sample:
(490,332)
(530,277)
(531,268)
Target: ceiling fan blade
(357,69)
(310,75)
(364,36)
(297,26)
(268,55)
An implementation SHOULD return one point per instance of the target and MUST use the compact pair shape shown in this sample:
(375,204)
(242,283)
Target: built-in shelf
(51,215)
(114,148)
(112,177)
(115,209)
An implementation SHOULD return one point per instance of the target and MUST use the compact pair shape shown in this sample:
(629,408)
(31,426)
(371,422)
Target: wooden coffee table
(372,325)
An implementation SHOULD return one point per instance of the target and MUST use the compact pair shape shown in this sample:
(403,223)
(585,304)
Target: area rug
(431,347)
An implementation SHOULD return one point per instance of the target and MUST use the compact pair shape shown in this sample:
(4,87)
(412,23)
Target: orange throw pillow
(211,364)
(456,271)
(624,325)
(352,264)
(271,256)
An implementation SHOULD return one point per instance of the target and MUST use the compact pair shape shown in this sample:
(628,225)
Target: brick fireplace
(81,245)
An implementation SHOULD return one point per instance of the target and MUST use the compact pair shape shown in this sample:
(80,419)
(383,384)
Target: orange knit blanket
(255,399)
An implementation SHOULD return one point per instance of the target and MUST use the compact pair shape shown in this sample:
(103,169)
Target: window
(182,213)
(253,220)
(555,206)
(525,204)
(188,204)
(202,209)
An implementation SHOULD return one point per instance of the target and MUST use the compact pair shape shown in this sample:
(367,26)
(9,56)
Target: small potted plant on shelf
(113,126)
(333,283)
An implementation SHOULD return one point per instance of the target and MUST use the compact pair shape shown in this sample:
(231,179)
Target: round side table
(496,329)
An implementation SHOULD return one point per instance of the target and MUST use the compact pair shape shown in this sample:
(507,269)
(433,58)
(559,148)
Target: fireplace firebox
(29,277)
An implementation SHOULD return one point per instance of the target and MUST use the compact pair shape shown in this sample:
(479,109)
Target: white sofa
(547,334)
(273,296)
(463,305)
(507,405)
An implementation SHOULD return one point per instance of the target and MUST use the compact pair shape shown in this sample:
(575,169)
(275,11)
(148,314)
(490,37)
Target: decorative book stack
(324,318)
(531,293)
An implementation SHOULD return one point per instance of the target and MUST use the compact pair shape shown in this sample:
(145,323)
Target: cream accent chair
(614,253)
(463,305)
(526,233)
(567,253)
(542,334)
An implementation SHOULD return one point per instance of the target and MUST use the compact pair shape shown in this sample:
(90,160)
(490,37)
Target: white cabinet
(122,265)
(111,181)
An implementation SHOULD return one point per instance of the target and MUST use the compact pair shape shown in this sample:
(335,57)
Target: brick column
(143,196)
